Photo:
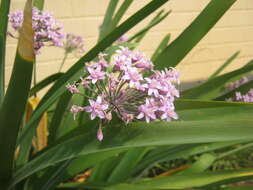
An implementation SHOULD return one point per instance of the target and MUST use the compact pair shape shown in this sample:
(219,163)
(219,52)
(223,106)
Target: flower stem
(63,61)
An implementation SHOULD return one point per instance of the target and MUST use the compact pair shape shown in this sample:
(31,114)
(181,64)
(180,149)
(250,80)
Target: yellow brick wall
(83,17)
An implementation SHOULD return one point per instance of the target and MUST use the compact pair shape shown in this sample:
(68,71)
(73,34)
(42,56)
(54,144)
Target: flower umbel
(120,87)
(47,30)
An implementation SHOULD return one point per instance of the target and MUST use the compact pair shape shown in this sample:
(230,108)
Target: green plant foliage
(14,106)
(206,134)
(4,10)
(179,48)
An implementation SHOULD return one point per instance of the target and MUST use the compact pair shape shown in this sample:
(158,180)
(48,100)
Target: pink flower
(147,110)
(122,39)
(84,82)
(100,135)
(121,62)
(133,76)
(97,108)
(95,74)
(72,88)
(75,110)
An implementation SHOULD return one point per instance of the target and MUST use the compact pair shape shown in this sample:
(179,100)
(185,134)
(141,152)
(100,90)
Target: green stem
(63,61)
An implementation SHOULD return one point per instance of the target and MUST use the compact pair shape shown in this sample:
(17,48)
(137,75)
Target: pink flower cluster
(129,87)
(239,97)
(236,84)
(47,30)
(74,43)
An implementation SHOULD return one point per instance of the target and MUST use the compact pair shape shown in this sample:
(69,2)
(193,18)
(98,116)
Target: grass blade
(171,56)
(120,13)
(13,106)
(108,18)
(4,10)
(163,44)
(222,67)
(45,82)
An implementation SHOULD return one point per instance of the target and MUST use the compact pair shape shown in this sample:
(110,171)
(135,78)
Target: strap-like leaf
(4,10)
(13,106)
(181,46)
(223,66)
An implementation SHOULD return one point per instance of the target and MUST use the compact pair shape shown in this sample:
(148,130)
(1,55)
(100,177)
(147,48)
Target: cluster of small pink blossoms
(47,30)
(239,97)
(129,87)
(74,43)
(236,84)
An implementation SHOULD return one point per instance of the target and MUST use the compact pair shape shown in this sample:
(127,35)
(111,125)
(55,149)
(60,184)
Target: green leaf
(76,70)
(181,46)
(202,164)
(186,181)
(211,88)
(127,164)
(120,13)
(4,10)
(223,66)
(39,4)
(58,115)
(107,19)
(145,135)
(13,106)
(184,104)
(163,44)
(171,182)
(156,20)
(181,151)
(45,82)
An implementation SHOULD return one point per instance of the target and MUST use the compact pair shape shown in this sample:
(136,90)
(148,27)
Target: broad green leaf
(223,66)
(243,89)
(45,82)
(163,44)
(75,71)
(13,106)
(143,135)
(108,18)
(184,43)
(211,88)
(184,104)
(4,10)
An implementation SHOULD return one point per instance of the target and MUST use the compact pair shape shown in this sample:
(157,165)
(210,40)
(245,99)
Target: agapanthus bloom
(124,87)
(47,30)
